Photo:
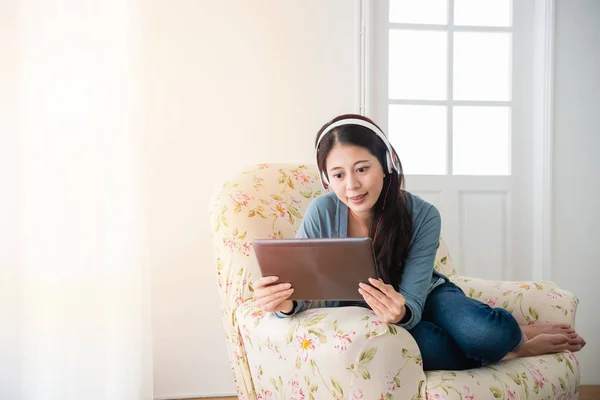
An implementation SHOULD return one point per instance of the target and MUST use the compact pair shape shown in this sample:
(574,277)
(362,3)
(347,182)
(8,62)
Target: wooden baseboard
(587,392)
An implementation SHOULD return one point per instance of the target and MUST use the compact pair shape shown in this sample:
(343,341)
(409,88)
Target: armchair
(347,353)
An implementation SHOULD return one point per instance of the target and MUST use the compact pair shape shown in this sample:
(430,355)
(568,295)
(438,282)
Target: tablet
(318,269)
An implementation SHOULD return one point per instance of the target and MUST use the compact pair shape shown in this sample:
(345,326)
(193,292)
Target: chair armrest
(529,302)
(329,353)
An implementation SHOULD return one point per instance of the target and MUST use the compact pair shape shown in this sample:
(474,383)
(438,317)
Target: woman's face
(355,176)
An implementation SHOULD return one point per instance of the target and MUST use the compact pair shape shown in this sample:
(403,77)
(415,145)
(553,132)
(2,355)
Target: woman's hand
(388,305)
(272,298)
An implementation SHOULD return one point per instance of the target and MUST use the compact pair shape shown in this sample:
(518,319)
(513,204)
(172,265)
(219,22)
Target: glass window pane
(417,65)
(481,141)
(483,12)
(482,66)
(418,133)
(419,11)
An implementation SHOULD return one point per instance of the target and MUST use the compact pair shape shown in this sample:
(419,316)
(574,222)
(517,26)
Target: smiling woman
(357,162)
(453,331)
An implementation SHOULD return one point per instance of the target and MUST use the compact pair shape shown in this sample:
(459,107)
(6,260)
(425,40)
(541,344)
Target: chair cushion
(546,377)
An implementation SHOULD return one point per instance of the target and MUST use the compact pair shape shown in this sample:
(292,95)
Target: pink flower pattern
(307,343)
(491,301)
(343,340)
(279,208)
(524,287)
(467,395)
(536,374)
(511,394)
(303,178)
(297,393)
(233,244)
(265,394)
(241,198)
(553,294)
(435,396)
(391,382)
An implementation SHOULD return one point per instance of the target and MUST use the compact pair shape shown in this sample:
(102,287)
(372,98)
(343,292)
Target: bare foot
(544,343)
(575,342)
(532,330)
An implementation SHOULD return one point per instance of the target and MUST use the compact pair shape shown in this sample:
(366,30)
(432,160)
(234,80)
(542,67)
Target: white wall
(576,182)
(10,206)
(229,83)
(71,214)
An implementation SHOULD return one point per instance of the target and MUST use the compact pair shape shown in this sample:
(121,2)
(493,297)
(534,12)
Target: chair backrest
(266,201)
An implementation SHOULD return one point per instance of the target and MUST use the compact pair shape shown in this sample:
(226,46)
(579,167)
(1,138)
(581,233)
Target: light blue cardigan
(327,217)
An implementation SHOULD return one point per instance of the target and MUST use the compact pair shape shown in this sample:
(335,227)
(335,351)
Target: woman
(453,331)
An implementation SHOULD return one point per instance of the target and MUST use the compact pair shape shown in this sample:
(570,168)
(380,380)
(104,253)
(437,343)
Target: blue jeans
(457,332)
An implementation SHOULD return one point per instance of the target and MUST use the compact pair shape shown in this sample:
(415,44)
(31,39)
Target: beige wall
(229,83)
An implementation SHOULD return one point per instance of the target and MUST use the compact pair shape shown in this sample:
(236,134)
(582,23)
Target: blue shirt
(327,217)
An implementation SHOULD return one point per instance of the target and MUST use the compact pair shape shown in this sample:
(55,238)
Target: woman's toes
(574,347)
(559,339)
(575,338)
(576,344)
(545,343)
(563,347)
(560,343)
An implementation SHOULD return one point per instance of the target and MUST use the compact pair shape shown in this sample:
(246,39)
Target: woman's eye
(362,169)
(337,176)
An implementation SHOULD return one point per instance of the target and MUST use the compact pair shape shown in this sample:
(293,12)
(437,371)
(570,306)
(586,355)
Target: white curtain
(74,307)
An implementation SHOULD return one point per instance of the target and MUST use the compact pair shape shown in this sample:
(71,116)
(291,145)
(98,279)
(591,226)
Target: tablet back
(318,269)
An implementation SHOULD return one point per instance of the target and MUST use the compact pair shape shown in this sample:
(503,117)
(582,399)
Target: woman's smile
(358,199)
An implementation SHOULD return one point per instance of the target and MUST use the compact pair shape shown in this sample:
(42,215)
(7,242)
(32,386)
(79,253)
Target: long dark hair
(395,230)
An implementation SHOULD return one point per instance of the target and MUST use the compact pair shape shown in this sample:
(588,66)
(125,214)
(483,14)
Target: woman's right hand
(272,298)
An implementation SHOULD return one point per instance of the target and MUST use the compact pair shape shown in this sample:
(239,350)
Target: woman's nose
(352,182)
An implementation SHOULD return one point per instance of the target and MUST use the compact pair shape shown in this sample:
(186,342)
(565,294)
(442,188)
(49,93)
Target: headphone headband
(352,121)
(392,161)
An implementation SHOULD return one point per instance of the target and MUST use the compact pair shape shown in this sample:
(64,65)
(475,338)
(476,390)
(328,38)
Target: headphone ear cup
(397,165)
(390,162)
(394,163)
(324,180)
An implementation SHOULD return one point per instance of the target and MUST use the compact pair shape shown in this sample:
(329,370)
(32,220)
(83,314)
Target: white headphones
(392,161)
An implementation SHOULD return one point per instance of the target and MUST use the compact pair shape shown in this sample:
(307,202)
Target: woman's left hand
(387,303)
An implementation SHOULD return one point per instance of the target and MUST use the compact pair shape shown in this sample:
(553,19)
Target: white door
(450,82)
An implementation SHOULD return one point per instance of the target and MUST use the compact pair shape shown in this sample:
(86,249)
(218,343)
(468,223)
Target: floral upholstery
(347,353)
